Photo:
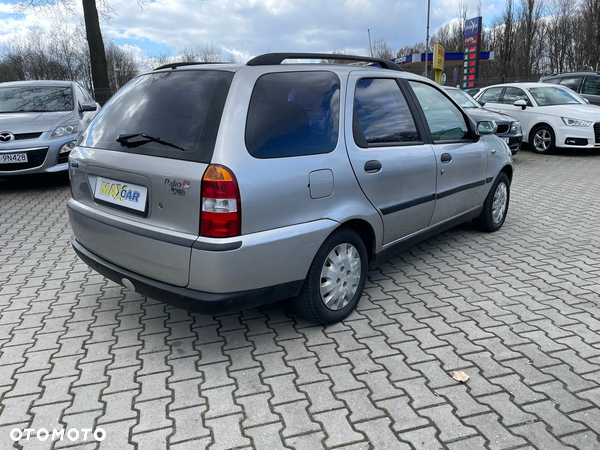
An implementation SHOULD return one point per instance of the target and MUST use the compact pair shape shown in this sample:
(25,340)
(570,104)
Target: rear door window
(512,94)
(591,86)
(382,114)
(571,82)
(181,107)
(491,95)
(293,114)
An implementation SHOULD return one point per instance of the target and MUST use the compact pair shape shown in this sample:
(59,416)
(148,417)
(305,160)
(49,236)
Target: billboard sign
(472,42)
(438,57)
(472,26)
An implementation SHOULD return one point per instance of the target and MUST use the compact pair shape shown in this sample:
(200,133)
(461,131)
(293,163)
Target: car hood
(480,114)
(584,112)
(32,122)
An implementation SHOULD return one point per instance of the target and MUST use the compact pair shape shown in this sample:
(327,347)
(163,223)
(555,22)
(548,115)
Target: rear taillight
(221,207)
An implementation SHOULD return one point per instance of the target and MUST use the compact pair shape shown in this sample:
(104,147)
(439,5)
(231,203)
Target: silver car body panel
(264,259)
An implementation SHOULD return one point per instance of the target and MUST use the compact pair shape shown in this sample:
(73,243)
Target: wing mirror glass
(522,103)
(486,127)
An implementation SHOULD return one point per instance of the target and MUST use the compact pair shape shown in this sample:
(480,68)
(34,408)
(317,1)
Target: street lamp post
(427,41)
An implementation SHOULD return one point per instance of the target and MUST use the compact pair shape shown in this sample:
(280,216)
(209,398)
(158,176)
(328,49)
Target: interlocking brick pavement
(517,310)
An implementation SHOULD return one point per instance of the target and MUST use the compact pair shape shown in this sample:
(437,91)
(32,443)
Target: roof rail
(278,58)
(175,65)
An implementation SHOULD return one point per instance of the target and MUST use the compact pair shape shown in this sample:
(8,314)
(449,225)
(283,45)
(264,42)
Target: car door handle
(372,166)
(446,157)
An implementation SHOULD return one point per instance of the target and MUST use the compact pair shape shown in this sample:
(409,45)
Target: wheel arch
(535,127)
(366,233)
(508,170)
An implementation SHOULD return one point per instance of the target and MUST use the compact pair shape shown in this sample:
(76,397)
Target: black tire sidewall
(552,139)
(324,314)
(489,203)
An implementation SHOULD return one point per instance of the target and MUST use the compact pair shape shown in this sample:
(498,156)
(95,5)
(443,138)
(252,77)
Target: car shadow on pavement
(34,182)
(590,152)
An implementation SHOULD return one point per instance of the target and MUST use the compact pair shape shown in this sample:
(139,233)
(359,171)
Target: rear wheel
(495,206)
(336,279)
(543,140)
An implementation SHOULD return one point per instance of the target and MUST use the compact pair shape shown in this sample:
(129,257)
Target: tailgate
(139,212)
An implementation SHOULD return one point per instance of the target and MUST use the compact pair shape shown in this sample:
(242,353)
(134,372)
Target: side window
(445,120)
(382,114)
(293,114)
(591,86)
(571,82)
(512,94)
(80,98)
(86,97)
(491,95)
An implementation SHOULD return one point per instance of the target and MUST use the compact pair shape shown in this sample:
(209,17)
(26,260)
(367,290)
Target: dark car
(585,83)
(509,128)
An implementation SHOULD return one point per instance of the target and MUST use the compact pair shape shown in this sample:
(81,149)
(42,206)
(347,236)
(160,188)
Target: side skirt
(396,247)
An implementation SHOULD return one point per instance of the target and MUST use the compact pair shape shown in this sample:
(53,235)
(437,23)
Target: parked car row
(551,116)
(195,183)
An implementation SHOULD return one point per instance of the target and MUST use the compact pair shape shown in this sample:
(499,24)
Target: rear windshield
(180,108)
(36,99)
(293,114)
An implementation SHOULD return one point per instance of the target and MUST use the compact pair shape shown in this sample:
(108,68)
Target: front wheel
(495,205)
(336,279)
(543,140)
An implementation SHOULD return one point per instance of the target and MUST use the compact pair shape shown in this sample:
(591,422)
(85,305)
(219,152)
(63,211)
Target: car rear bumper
(216,265)
(197,301)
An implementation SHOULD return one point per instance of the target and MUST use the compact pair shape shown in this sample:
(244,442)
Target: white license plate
(13,158)
(118,193)
(507,140)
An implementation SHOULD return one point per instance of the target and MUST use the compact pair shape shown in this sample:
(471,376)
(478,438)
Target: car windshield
(554,95)
(463,99)
(36,99)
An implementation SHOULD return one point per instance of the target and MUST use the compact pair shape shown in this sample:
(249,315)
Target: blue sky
(245,28)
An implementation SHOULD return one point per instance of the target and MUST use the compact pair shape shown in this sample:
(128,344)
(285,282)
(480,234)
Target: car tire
(543,140)
(336,279)
(495,206)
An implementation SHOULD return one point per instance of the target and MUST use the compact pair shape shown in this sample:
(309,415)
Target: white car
(551,116)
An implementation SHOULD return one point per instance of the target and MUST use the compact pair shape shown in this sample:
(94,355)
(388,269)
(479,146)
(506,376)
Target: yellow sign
(438,57)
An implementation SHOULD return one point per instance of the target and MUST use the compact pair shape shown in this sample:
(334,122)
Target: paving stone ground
(518,311)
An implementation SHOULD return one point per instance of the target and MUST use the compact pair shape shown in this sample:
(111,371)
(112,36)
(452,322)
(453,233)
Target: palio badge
(177,187)
(119,193)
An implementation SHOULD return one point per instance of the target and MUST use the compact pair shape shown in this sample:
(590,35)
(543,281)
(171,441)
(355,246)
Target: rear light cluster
(221,207)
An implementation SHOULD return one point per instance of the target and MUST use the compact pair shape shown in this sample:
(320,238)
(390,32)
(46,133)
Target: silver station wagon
(224,186)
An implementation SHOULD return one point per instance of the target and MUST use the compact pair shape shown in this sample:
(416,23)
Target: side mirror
(89,106)
(481,103)
(485,128)
(521,103)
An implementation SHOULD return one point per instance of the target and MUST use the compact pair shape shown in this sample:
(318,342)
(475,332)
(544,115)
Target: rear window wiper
(124,138)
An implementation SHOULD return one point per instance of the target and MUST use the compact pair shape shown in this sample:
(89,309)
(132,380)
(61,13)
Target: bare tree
(91,15)
(382,50)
